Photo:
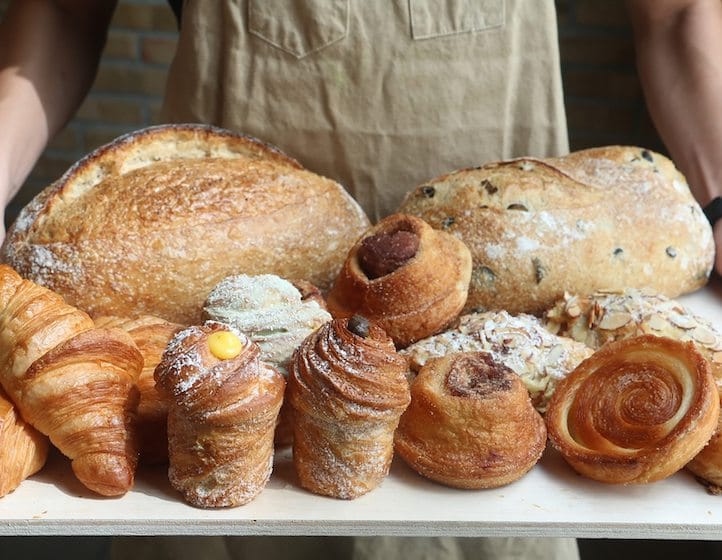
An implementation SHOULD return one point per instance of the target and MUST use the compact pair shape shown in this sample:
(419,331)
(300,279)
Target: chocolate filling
(383,253)
(477,375)
(359,326)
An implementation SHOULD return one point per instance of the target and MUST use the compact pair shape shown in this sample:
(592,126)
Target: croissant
(22,449)
(636,411)
(71,381)
(151,335)
(223,407)
(347,389)
(402,274)
(470,424)
(611,315)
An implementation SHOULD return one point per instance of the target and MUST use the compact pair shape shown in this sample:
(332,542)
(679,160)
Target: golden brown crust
(72,382)
(151,335)
(151,223)
(612,217)
(470,423)
(23,450)
(418,299)
(636,411)
(347,392)
(221,419)
(613,315)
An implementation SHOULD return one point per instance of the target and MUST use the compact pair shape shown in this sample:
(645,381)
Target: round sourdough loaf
(604,218)
(151,222)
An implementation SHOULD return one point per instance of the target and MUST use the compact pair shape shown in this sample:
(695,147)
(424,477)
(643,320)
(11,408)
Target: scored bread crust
(151,222)
(613,217)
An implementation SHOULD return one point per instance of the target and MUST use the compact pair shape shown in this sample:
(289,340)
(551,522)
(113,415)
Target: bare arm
(49,53)
(679,57)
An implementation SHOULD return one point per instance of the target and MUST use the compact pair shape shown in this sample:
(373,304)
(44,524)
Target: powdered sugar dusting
(269,310)
(46,261)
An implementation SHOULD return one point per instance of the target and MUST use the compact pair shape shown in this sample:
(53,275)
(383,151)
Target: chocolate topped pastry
(471,423)
(409,278)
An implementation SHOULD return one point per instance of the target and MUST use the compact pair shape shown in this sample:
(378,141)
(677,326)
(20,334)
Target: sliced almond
(704,336)
(682,321)
(615,320)
(717,357)
(574,311)
(657,322)
(555,354)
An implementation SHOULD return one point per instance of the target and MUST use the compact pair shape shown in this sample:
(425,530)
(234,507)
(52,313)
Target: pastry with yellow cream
(223,406)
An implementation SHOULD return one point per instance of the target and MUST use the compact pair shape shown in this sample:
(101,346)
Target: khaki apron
(380,95)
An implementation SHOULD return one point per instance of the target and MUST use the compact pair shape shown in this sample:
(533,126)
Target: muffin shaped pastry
(275,314)
(470,423)
(348,388)
(406,276)
(636,411)
(223,406)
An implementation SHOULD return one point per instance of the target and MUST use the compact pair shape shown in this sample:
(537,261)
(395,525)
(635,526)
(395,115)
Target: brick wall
(603,96)
(602,93)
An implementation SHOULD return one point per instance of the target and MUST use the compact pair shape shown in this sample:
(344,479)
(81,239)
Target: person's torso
(380,95)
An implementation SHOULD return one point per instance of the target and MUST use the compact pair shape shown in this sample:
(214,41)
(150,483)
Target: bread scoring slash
(151,222)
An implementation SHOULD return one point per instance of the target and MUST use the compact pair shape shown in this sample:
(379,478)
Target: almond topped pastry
(520,342)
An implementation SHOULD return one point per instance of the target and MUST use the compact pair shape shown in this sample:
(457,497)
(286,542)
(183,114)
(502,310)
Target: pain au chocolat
(470,424)
(406,276)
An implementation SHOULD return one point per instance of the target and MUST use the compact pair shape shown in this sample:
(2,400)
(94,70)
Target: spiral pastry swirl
(221,417)
(347,389)
(636,411)
(470,424)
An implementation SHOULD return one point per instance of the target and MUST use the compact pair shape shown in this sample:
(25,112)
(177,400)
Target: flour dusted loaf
(613,217)
(151,222)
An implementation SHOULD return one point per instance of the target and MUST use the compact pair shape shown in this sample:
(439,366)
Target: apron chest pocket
(298,27)
(435,18)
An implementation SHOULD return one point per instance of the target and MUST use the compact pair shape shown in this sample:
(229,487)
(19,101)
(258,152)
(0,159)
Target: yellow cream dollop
(224,345)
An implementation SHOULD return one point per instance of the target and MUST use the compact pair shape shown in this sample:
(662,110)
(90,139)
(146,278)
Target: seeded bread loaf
(150,223)
(612,217)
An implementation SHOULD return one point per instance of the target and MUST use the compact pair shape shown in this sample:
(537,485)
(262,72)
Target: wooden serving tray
(551,500)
